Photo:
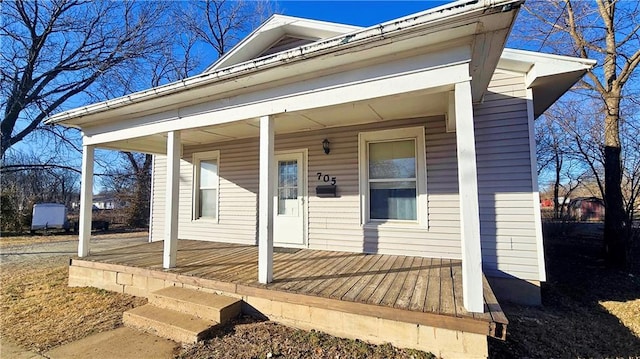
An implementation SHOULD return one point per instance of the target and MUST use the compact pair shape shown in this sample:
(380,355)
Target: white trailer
(49,216)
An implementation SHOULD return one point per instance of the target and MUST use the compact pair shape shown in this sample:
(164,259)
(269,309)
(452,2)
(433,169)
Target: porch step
(208,306)
(182,315)
(168,323)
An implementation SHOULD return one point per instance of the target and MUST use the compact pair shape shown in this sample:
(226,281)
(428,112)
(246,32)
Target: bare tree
(211,27)
(631,165)
(65,53)
(132,186)
(606,30)
(222,23)
(26,181)
(560,156)
(54,51)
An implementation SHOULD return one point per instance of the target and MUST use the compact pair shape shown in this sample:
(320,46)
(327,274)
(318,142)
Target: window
(288,188)
(393,176)
(205,183)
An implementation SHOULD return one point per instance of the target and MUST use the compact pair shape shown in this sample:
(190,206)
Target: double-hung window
(205,183)
(393,176)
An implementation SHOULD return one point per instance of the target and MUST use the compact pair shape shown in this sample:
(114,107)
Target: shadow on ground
(573,323)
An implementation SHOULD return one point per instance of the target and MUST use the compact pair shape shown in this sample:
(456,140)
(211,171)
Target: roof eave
(392,28)
(549,76)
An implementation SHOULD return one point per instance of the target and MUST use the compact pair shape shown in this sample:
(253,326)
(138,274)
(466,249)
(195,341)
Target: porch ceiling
(408,105)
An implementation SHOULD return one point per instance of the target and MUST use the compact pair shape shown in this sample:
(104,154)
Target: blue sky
(360,13)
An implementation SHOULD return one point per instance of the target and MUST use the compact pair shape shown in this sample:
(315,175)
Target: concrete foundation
(445,343)
(516,290)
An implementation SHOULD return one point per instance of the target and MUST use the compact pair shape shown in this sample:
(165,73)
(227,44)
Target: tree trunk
(139,213)
(556,188)
(614,217)
(615,232)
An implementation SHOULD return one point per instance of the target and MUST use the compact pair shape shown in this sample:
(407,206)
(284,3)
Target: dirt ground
(249,338)
(589,311)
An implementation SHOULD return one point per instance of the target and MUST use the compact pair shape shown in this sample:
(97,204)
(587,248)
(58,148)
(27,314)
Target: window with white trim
(205,185)
(393,176)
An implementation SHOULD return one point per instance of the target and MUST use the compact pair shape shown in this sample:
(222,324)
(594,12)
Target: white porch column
(468,190)
(86,201)
(265,217)
(171,197)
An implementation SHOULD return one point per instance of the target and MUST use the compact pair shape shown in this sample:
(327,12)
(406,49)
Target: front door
(290,196)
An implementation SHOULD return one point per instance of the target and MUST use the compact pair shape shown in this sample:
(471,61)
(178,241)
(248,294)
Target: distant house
(589,209)
(105,201)
(409,138)
(546,203)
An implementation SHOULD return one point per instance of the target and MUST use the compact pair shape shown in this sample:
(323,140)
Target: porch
(313,289)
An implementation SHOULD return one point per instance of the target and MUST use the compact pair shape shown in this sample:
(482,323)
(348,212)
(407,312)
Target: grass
(13,239)
(39,311)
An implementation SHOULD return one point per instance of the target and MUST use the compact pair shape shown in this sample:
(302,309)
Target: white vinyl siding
(507,221)
(158,186)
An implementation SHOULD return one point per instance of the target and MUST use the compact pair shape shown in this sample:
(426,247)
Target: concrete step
(218,308)
(168,323)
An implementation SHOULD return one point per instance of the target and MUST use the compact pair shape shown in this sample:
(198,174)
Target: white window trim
(197,158)
(408,133)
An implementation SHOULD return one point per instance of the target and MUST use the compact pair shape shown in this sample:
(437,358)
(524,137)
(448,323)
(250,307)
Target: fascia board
(537,65)
(276,27)
(323,93)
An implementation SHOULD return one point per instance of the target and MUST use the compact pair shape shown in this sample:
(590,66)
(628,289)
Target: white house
(412,137)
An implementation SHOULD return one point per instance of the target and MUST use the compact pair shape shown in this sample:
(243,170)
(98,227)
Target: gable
(285,43)
(279,33)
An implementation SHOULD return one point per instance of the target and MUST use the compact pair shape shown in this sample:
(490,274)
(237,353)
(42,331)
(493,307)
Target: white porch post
(86,201)
(468,191)
(265,217)
(173,186)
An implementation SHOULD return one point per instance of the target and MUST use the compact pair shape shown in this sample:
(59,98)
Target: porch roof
(481,25)
(417,290)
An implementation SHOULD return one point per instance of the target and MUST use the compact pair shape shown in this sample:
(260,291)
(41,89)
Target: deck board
(327,275)
(393,281)
(334,275)
(406,290)
(432,299)
(414,284)
(286,267)
(447,304)
(377,276)
(419,292)
(358,277)
(309,277)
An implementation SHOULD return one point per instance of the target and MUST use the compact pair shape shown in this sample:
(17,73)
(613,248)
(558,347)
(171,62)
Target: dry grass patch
(13,240)
(627,312)
(39,311)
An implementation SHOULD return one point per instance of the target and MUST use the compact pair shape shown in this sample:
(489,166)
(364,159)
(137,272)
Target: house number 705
(326,178)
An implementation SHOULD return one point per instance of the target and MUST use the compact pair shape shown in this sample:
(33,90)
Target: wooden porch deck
(414,289)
